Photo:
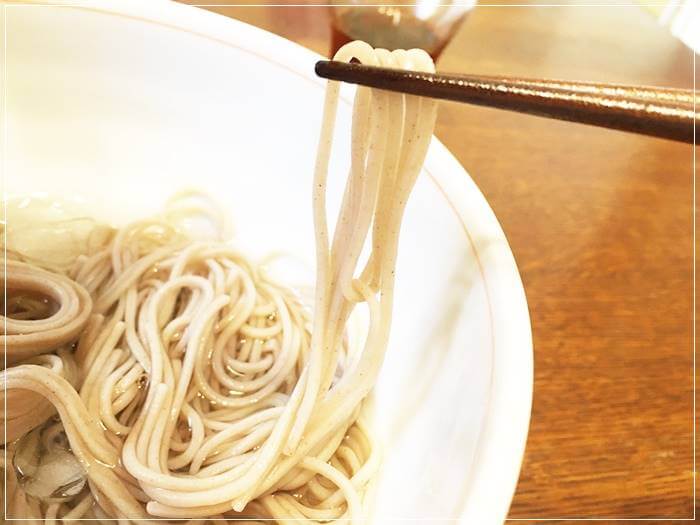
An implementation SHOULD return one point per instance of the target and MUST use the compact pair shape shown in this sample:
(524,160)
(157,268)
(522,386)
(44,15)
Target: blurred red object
(428,24)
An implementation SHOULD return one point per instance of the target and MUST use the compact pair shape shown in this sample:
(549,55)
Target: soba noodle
(159,376)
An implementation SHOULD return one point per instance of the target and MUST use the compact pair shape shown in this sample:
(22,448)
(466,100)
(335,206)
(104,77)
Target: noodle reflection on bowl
(155,372)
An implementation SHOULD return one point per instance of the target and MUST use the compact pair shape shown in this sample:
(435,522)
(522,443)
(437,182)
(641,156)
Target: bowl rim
(503,434)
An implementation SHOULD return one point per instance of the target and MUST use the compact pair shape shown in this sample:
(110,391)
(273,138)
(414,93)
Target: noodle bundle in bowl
(152,372)
(428,423)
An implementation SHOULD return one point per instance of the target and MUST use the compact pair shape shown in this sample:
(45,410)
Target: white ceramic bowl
(123,103)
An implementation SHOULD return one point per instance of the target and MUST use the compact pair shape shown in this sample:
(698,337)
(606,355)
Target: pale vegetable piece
(48,471)
(51,233)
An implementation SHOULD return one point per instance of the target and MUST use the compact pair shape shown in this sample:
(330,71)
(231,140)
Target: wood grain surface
(601,226)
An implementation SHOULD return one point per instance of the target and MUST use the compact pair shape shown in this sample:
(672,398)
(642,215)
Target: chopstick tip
(321,68)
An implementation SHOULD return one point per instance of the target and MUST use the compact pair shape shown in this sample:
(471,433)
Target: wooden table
(601,226)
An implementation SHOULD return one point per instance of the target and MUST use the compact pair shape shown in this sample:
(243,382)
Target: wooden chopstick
(660,112)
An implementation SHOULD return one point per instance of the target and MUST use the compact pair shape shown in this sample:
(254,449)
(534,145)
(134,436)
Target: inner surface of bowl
(122,112)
